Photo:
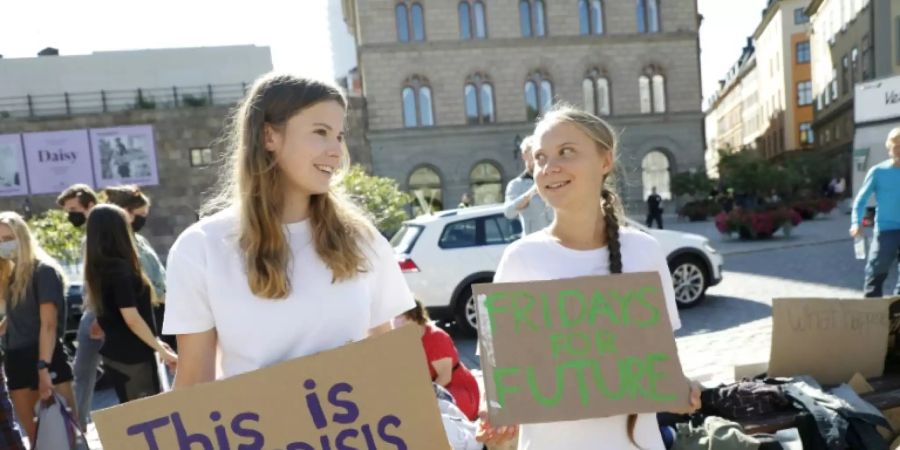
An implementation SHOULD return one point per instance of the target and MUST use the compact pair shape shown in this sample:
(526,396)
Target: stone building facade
(452,86)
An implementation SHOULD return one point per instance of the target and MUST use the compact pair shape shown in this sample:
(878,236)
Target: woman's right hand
(168,355)
(490,435)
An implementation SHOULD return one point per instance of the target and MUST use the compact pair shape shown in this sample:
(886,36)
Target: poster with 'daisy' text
(57,159)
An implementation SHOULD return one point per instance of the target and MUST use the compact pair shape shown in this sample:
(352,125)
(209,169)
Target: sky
(295,30)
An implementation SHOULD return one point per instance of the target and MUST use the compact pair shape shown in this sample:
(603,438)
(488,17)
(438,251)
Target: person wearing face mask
(137,206)
(77,201)
(32,291)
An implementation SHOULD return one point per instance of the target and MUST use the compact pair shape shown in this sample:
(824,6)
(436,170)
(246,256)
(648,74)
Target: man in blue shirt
(883,180)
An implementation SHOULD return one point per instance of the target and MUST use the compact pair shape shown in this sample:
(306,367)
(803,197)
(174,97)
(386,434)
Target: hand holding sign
(578,348)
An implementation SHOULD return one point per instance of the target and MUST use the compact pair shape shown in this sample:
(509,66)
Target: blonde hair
(606,140)
(252,184)
(892,136)
(527,144)
(16,276)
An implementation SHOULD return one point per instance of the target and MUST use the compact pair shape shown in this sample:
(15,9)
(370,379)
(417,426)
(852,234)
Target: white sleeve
(391,296)
(187,301)
(662,266)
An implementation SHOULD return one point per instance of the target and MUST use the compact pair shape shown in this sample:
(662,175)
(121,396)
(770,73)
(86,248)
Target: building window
(834,85)
(803,52)
(590,13)
(410,18)
(655,174)
(486,184)
(532,18)
(425,188)
(418,107)
(854,65)
(647,16)
(868,68)
(538,95)
(652,85)
(845,74)
(806,133)
(804,93)
(595,89)
(472,22)
(201,157)
(800,16)
(479,99)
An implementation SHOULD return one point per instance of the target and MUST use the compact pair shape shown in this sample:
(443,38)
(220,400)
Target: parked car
(444,254)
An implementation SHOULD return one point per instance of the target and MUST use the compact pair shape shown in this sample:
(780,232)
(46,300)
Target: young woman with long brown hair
(289,266)
(122,296)
(574,157)
(32,291)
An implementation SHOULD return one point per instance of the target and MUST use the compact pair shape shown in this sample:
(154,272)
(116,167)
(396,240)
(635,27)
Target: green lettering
(565,320)
(522,313)
(605,342)
(493,309)
(654,376)
(502,389)
(568,343)
(536,393)
(600,306)
(584,395)
(631,371)
(623,299)
(545,308)
(641,295)
(600,383)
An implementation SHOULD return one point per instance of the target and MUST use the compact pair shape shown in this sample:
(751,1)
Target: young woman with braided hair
(574,156)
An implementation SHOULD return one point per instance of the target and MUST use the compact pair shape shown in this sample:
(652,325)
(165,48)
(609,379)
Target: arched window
(590,14)
(538,94)
(472,21)
(652,85)
(595,89)
(532,18)
(410,22)
(486,184)
(425,188)
(655,173)
(479,99)
(418,108)
(647,16)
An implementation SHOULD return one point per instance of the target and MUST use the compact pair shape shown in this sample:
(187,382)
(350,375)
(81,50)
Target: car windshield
(405,238)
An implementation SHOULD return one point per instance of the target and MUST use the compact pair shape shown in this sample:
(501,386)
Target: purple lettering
(238,428)
(342,436)
(351,410)
(326,444)
(300,446)
(146,428)
(187,441)
(387,438)
(221,435)
(370,440)
(314,406)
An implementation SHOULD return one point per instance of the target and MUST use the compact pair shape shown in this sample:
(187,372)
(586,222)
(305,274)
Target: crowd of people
(283,265)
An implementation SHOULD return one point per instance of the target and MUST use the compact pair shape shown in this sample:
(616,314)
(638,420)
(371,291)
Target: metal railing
(68,103)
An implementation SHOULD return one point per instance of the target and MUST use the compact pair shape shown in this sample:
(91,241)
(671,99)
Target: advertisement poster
(57,160)
(124,155)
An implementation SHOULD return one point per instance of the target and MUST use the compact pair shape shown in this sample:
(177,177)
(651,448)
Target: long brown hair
(109,241)
(16,275)
(606,140)
(252,184)
(127,196)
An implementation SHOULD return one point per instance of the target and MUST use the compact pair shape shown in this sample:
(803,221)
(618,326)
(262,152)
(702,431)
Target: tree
(692,184)
(380,196)
(57,236)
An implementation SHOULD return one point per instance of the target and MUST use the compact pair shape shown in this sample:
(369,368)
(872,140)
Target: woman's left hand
(696,403)
(45,384)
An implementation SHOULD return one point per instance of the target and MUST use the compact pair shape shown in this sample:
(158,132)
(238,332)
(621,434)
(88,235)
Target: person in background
(137,207)
(443,361)
(122,297)
(32,290)
(10,436)
(77,201)
(883,180)
(654,209)
(465,201)
(522,199)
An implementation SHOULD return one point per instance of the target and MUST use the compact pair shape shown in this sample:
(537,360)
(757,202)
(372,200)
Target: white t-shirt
(539,257)
(208,288)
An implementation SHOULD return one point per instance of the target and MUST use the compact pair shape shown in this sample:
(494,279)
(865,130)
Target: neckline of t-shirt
(301,227)
(546,236)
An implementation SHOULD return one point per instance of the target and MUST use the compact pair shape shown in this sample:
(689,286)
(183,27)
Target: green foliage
(380,196)
(143,102)
(57,236)
(692,184)
(192,101)
(748,173)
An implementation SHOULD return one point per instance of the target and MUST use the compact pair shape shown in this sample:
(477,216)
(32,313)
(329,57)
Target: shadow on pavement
(718,313)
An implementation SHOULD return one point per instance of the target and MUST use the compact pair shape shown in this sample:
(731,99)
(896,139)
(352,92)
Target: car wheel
(466,316)
(690,280)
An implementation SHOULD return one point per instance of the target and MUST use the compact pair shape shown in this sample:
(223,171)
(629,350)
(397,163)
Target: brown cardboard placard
(829,339)
(373,393)
(578,348)
(859,384)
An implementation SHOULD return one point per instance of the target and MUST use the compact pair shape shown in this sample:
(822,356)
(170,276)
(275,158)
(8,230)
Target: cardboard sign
(372,394)
(578,348)
(829,339)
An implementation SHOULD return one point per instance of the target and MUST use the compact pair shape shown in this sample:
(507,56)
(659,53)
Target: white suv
(443,254)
